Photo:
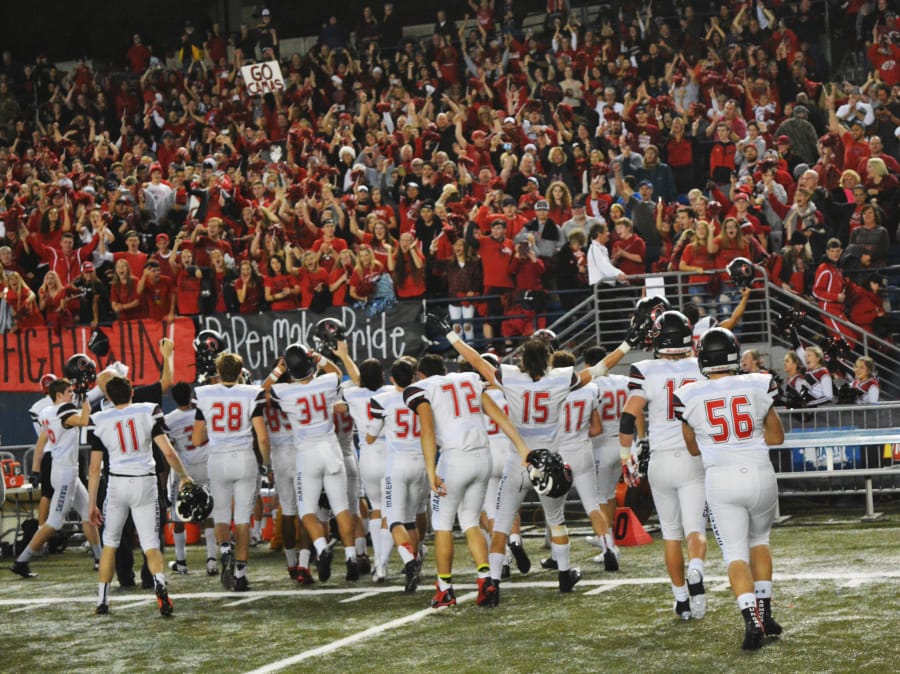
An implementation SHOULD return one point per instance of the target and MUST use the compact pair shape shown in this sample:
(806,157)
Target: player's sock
(160,578)
(180,545)
(361,546)
(387,546)
(560,552)
(696,564)
(680,592)
(763,589)
(515,539)
(320,544)
(484,571)
(304,558)
(445,581)
(292,557)
(609,540)
(210,535)
(26,555)
(103,593)
(350,553)
(497,560)
(375,532)
(487,537)
(257,529)
(97,549)
(240,569)
(406,553)
(746,600)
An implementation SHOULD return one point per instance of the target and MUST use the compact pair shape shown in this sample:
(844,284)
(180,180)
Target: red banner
(32,353)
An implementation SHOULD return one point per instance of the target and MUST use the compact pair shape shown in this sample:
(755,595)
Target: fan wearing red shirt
(629,249)
(829,290)
(407,266)
(282,289)
(133,255)
(328,246)
(313,278)
(496,251)
(249,288)
(157,293)
(123,293)
(207,239)
(339,278)
(188,279)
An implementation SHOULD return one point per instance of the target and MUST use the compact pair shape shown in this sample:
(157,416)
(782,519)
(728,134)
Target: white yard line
(245,600)
(30,607)
(364,595)
(373,631)
(600,590)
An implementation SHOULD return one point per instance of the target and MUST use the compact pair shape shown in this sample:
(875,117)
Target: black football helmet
(646,311)
(719,351)
(81,371)
(741,271)
(98,344)
(326,334)
(299,361)
(549,474)
(194,503)
(207,345)
(672,334)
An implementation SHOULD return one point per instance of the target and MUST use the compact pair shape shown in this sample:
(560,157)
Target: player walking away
(343,429)
(122,438)
(449,408)
(180,423)
(309,403)
(372,458)
(730,421)
(535,394)
(612,392)
(41,476)
(229,415)
(676,480)
(405,479)
(60,424)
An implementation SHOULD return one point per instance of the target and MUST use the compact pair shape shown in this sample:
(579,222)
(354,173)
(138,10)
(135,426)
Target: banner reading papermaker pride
(260,339)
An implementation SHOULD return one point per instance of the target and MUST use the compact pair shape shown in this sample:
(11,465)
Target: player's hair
(562,358)
(462,365)
(403,371)
(229,366)
(535,356)
(594,354)
(181,394)
(691,311)
(58,387)
(371,374)
(431,365)
(118,390)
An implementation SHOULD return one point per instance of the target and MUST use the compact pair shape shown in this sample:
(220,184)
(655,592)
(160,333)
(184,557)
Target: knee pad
(558,530)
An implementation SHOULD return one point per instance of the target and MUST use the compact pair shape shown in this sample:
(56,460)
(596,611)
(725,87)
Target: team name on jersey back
(127,435)
(455,401)
(656,381)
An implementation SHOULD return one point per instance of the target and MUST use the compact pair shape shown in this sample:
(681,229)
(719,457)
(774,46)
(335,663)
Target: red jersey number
(311,408)
(738,425)
(469,396)
(611,404)
(671,385)
(407,424)
(535,409)
(227,417)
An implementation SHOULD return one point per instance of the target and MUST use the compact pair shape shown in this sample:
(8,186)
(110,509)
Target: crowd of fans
(485,161)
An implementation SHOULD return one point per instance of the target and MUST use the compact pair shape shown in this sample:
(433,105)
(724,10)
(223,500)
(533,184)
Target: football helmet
(82,372)
(741,271)
(719,351)
(299,361)
(436,328)
(548,336)
(98,344)
(549,474)
(646,311)
(672,333)
(326,334)
(194,503)
(207,345)
(46,380)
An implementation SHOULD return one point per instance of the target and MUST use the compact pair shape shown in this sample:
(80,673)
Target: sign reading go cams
(263,78)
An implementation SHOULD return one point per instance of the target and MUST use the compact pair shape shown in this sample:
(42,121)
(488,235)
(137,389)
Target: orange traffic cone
(628,529)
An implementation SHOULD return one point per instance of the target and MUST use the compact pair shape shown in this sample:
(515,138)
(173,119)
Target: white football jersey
(181,427)
(391,415)
(62,442)
(229,412)
(575,419)
(281,433)
(34,412)
(612,392)
(497,438)
(357,399)
(534,406)
(703,325)
(655,381)
(343,428)
(309,406)
(127,436)
(455,401)
(727,416)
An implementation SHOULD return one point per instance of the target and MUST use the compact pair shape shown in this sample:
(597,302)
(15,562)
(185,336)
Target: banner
(263,78)
(260,339)
(32,353)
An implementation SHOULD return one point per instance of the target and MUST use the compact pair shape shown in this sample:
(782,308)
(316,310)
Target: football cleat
(753,629)
(162,598)
(178,567)
(411,571)
(770,625)
(241,584)
(568,579)
(212,569)
(227,576)
(352,570)
(610,560)
(505,572)
(379,574)
(549,563)
(683,609)
(488,592)
(443,598)
(365,565)
(323,564)
(293,572)
(697,592)
(304,577)
(102,609)
(523,563)
(254,540)
(22,569)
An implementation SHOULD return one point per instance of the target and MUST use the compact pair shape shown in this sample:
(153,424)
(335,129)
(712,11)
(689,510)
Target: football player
(42,476)
(60,426)
(122,437)
(343,429)
(729,419)
(449,408)
(180,423)
(309,403)
(676,480)
(405,479)
(229,415)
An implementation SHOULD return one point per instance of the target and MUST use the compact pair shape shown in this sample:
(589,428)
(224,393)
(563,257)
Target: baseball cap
(797,239)
(87,266)
(542,205)
(782,140)
(162,236)
(266,12)
(131,233)
(508,201)
(209,163)
(509,120)
(647,183)
(428,204)
(412,183)
(741,196)
(363,188)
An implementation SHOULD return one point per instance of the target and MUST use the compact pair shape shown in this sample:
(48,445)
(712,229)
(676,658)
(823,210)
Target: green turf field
(837,594)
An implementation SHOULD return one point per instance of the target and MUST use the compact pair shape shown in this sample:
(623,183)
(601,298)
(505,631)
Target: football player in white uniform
(123,438)
(730,421)
(449,408)
(309,403)
(676,480)
(180,423)
(706,322)
(405,480)
(343,429)
(371,458)
(60,426)
(535,394)
(229,415)
(42,475)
